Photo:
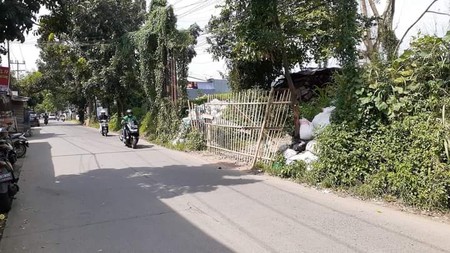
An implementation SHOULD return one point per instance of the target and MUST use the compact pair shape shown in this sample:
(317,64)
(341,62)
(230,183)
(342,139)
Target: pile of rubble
(306,149)
(200,114)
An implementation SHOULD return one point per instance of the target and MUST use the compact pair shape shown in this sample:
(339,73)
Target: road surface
(81,192)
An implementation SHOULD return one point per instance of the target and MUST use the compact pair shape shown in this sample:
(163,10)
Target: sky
(200,11)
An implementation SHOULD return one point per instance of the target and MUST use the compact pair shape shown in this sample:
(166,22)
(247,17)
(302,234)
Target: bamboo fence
(245,126)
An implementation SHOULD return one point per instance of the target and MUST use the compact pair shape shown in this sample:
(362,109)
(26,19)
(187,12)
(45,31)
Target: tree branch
(440,13)
(367,38)
(417,21)
(374,8)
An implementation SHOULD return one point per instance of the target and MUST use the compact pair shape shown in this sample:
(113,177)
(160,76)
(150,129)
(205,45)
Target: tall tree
(161,46)
(379,37)
(18,17)
(84,51)
(273,34)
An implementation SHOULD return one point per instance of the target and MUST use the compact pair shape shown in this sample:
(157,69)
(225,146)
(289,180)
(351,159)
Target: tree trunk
(287,74)
(367,37)
(294,102)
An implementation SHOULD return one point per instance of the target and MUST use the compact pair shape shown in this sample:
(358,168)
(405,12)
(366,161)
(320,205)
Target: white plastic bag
(306,130)
(329,109)
(322,119)
(306,156)
(312,147)
(289,153)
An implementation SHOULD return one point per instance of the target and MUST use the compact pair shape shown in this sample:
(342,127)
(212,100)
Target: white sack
(306,156)
(306,130)
(312,147)
(289,153)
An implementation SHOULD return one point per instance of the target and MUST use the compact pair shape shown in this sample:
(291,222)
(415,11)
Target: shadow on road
(144,146)
(110,209)
(42,136)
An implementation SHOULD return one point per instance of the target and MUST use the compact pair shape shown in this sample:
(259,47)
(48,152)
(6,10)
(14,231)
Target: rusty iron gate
(246,126)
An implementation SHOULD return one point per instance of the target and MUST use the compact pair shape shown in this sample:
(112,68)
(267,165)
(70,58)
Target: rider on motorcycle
(102,117)
(45,118)
(129,117)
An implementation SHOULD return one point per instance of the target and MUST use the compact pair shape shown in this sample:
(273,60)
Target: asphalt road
(81,192)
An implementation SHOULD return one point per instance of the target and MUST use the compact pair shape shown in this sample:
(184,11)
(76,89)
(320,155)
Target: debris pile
(210,112)
(306,148)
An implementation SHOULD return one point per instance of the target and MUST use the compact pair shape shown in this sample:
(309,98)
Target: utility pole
(174,82)
(9,64)
(18,70)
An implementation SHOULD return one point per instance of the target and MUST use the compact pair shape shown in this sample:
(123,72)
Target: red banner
(4,77)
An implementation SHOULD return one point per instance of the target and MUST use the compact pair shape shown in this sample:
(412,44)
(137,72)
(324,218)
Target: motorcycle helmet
(129,112)
(3,133)
(102,112)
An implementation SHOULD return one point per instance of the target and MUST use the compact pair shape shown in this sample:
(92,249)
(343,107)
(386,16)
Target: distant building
(197,87)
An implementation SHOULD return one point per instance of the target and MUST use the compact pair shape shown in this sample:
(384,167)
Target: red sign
(4,77)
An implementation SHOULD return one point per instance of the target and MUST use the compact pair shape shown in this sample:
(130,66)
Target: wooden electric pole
(18,70)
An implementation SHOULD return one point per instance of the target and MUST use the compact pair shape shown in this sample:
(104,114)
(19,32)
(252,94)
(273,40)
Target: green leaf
(397,106)
(382,106)
(399,80)
(406,73)
(399,90)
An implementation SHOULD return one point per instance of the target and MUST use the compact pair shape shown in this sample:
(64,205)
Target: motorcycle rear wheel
(21,150)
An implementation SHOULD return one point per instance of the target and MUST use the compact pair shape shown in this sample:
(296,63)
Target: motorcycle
(104,127)
(8,150)
(8,179)
(131,134)
(6,146)
(46,121)
(20,144)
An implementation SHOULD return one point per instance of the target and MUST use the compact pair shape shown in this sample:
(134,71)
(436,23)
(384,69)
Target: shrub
(195,140)
(296,170)
(405,160)
(114,123)
(389,140)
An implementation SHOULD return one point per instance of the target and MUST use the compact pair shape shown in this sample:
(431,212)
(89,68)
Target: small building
(197,87)
(13,111)
(307,81)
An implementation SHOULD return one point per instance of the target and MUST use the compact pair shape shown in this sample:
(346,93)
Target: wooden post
(263,126)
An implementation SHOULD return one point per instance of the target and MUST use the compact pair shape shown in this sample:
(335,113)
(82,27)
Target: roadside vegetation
(393,141)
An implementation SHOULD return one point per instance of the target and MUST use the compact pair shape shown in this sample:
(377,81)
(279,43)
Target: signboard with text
(4,79)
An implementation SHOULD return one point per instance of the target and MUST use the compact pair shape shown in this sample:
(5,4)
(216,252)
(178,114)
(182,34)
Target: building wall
(18,109)
(213,86)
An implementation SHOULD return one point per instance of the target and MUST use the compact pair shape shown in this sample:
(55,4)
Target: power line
(201,5)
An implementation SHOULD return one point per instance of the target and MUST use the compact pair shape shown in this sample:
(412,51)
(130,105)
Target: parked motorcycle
(8,179)
(104,127)
(131,134)
(6,146)
(20,144)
